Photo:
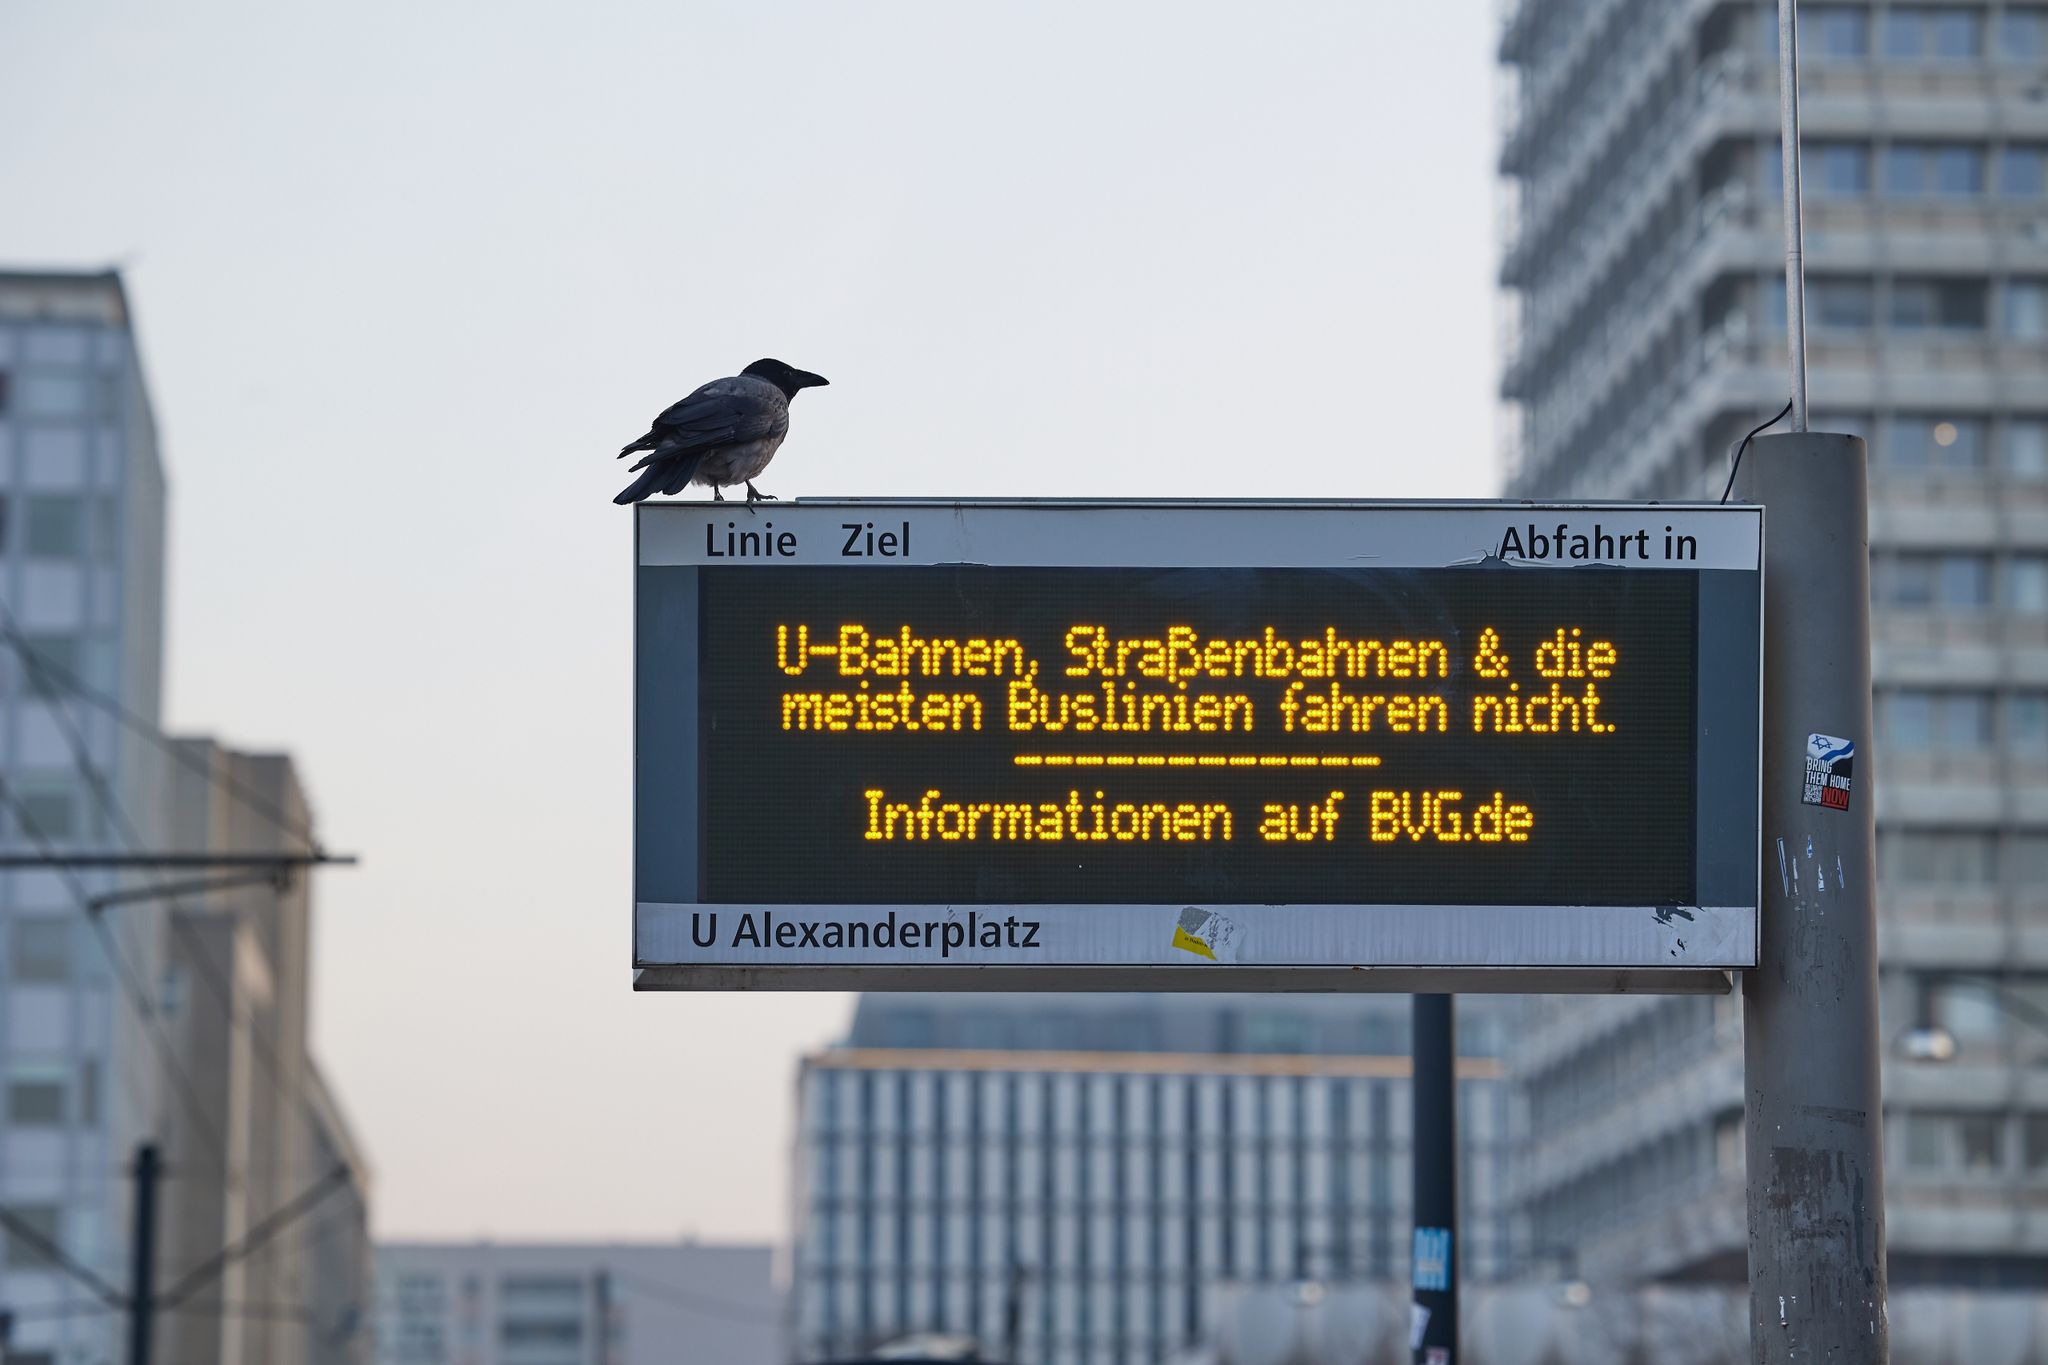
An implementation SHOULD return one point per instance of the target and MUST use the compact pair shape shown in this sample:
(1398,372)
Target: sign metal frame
(1322,947)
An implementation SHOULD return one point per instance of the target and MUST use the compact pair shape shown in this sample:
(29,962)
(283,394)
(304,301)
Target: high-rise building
(1067,1179)
(571,1303)
(1644,261)
(175,1017)
(263,1136)
(81,578)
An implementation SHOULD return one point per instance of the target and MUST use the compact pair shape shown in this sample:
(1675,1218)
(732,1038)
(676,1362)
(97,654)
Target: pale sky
(406,275)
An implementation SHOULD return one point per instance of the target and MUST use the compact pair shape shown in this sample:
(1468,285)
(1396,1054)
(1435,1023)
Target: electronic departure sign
(1196,746)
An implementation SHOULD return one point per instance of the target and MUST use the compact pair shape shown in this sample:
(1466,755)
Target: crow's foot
(756,495)
(716,496)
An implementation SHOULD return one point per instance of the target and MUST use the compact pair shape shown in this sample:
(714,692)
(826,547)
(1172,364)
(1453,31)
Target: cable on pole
(1755,432)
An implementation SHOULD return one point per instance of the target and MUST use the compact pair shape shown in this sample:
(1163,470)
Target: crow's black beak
(806,380)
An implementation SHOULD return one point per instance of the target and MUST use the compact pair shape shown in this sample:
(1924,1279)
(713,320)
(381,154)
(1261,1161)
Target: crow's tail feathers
(648,482)
(669,474)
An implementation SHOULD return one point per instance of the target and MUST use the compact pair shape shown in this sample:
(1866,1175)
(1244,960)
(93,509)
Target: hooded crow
(724,433)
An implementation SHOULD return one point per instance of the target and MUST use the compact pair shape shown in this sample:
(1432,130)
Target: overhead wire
(280,1218)
(21,1230)
(125,973)
(12,636)
(698,1302)
(127,833)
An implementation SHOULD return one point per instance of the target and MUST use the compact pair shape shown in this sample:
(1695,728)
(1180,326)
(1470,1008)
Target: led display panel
(1197,746)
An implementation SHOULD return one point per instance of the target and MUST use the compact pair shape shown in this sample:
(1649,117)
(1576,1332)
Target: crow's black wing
(723,412)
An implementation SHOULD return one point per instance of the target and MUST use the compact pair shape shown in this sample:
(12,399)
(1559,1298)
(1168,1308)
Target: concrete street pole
(1433,1169)
(1809,1010)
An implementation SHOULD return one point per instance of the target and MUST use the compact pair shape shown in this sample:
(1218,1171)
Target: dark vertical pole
(1809,1011)
(1433,1164)
(142,1279)
(603,1296)
(1013,1315)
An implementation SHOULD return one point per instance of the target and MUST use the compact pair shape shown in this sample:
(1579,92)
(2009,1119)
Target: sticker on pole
(1829,764)
(1433,1258)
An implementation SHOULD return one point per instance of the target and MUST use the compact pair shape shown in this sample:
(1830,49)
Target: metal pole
(1013,1315)
(1433,1167)
(142,1281)
(1795,231)
(1810,1042)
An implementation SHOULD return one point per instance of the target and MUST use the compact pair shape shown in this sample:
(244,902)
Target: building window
(39,949)
(47,815)
(2037,1142)
(1920,170)
(1934,443)
(2026,861)
(1919,720)
(541,1332)
(2023,172)
(56,526)
(2026,723)
(1844,304)
(2023,35)
(2026,447)
(1916,34)
(55,395)
(1970,1143)
(1841,169)
(35,1097)
(1938,305)
(1932,580)
(2026,584)
(2026,310)
(526,1290)
(4,389)
(1939,858)
(48,662)
(1832,32)
(1970,1010)
(41,1219)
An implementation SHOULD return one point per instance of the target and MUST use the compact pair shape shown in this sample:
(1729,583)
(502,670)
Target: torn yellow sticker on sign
(1207,934)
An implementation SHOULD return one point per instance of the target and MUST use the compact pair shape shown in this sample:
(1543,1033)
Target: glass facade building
(1067,1179)
(81,578)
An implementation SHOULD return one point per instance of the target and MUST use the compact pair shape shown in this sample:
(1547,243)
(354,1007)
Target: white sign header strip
(1196,535)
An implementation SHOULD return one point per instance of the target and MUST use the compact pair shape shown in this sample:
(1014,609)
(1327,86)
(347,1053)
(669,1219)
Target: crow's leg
(716,496)
(754,494)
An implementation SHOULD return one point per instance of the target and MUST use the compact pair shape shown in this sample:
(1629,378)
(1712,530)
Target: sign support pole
(1810,1037)
(1433,1168)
